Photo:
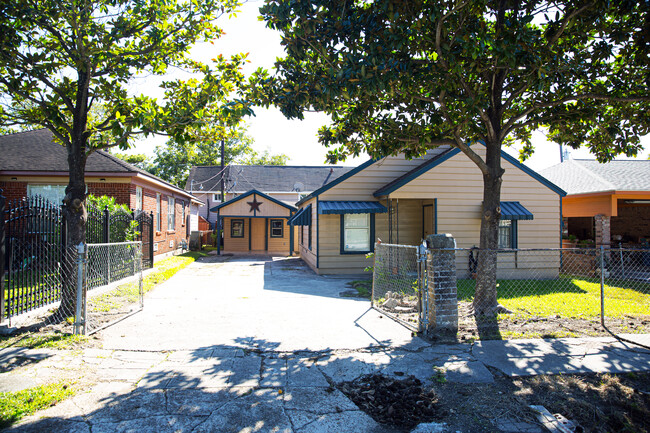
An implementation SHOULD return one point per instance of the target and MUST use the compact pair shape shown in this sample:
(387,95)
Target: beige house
(255,222)
(401,201)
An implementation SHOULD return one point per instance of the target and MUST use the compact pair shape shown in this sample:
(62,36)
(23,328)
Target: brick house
(31,163)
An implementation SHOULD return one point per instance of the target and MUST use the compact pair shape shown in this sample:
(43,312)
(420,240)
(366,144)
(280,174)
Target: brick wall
(13,190)
(162,235)
(120,191)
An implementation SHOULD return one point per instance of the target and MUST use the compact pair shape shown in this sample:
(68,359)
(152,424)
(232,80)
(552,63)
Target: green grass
(16,405)
(567,297)
(38,341)
(128,293)
(363,287)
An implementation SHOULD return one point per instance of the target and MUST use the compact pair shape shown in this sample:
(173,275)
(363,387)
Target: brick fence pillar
(603,233)
(443,298)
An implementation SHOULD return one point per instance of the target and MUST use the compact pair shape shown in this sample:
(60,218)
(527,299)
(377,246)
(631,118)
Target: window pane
(357,220)
(52,193)
(505,234)
(276,228)
(357,240)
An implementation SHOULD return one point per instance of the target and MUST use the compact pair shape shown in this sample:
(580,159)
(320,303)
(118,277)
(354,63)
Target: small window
(277,228)
(52,193)
(171,213)
(236,228)
(183,212)
(507,234)
(158,211)
(217,196)
(356,233)
(138,198)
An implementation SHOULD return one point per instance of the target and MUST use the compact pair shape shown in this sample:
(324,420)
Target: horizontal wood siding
(458,185)
(309,256)
(235,244)
(280,245)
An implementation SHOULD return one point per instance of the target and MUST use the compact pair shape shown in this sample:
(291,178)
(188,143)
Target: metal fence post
(78,328)
(106,225)
(151,230)
(602,285)
(3,200)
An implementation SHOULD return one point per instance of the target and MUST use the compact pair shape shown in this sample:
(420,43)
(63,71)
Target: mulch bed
(403,403)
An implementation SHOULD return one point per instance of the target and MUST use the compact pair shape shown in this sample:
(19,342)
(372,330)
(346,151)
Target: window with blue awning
(350,207)
(513,210)
(301,218)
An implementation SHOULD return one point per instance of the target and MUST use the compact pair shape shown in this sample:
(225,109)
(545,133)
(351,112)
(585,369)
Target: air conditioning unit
(171,243)
(155,247)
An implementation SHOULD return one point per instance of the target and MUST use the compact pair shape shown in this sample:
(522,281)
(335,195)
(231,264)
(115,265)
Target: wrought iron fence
(112,288)
(398,284)
(33,252)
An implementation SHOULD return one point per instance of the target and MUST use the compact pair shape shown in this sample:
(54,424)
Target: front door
(258,234)
(428,226)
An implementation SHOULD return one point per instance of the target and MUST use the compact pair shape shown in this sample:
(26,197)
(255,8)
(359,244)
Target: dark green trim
(243,227)
(371,240)
(435,216)
(271,227)
(291,240)
(432,211)
(255,210)
(251,192)
(266,234)
(250,234)
(417,172)
(253,217)
(220,234)
(336,181)
(514,235)
(317,234)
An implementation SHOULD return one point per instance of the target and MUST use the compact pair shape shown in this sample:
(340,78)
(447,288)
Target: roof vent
(298,186)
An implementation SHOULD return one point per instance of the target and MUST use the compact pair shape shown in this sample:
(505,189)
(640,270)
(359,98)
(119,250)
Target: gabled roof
(269,178)
(583,176)
(248,194)
(449,152)
(36,152)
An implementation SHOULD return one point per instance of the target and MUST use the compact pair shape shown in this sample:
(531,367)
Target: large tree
(66,66)
(173,160)
(407,76)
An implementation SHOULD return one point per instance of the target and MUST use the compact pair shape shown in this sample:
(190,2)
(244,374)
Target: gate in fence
(549,292)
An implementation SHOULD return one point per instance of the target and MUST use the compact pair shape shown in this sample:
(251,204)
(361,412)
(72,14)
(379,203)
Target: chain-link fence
(397,284)
(113,284)
(560,292)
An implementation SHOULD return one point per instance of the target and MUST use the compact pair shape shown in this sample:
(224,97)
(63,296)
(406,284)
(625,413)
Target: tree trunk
(74,211)
(485,298)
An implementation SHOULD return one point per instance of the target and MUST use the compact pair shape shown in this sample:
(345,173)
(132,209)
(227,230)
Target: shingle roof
(267,178)
(35,151)
(581,176)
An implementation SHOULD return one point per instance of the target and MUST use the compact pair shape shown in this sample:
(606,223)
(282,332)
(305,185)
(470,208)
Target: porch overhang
(513,210)
(346,207)
(301,218)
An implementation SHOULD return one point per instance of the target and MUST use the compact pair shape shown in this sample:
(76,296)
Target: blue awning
(343,207)
(301,218)
(513,210)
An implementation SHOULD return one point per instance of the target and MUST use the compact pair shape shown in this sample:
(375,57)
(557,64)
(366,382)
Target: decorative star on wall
(255,205)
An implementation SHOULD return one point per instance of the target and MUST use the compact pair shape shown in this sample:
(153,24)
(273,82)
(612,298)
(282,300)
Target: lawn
(567,297)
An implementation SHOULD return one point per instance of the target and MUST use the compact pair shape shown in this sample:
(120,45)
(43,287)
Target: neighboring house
(285,183)
(607,203)
(31,163)
(402,201)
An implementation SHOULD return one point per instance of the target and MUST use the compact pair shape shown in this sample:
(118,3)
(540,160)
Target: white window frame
(171,213)
(158,205)
(53,190)
(138,198)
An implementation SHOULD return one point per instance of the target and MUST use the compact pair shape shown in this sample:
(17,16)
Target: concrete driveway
(256,302)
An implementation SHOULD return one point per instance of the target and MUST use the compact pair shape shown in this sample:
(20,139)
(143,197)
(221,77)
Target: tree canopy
(407,76)
(66,66)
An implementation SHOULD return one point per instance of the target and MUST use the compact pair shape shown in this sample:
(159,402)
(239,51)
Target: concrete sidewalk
(234,388)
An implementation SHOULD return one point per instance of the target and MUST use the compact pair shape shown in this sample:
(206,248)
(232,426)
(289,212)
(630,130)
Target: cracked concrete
(259,345)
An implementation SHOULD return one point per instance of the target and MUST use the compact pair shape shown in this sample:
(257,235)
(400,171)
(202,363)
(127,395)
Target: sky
(298,139)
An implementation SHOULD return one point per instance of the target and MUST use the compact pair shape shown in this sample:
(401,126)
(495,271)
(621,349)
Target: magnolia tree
(403,77)
(66,66)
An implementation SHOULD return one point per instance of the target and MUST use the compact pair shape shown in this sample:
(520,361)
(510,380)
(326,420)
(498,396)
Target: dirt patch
(515,326)
(597,403)
(402,403)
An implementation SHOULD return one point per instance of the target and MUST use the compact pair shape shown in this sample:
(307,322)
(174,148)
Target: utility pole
(223,165)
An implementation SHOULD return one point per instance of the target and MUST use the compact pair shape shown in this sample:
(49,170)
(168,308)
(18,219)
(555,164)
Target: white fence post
(78,326)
